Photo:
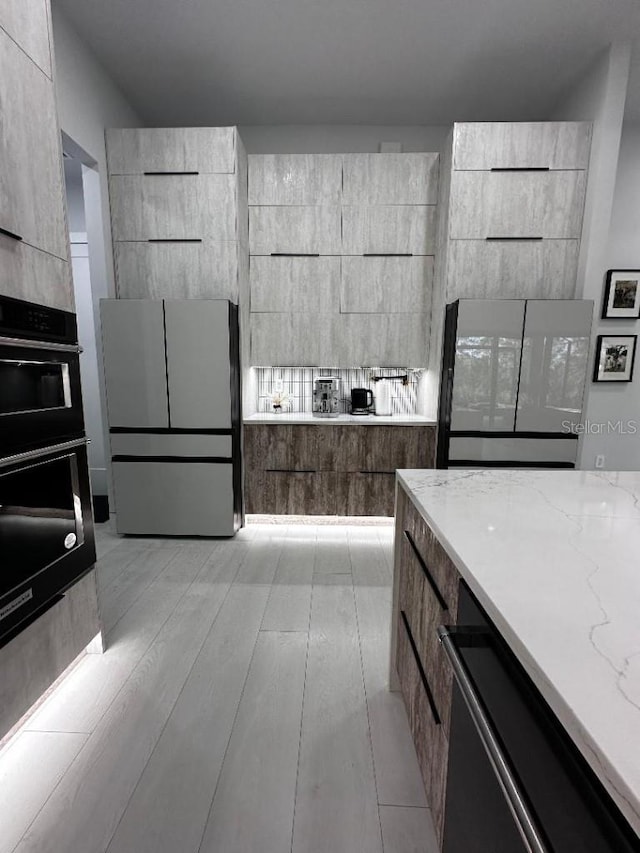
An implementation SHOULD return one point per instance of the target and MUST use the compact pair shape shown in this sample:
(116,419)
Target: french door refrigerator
(172,381)
(512,382)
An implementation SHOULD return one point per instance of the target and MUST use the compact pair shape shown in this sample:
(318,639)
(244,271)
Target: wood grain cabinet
(295,285)
(298,230)
(392,285)
(295,179)
(348,469)
(27,22)
(425,596)
(379,179)
(388,229)
(134,151)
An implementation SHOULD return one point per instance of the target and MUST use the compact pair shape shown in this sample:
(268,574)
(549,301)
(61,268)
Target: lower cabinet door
(366,493)
(174,498)
(291,492)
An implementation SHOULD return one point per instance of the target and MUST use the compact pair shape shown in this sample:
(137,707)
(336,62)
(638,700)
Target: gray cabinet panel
(28,273)
(522,145)
(517,204)
(174,498)
(545,269)
(27,23)
(303,230)
(487,364)
(175,207)
(314,179)
(198,368)
(381,340)
(389,229)
(371,179)
(386,285)
(291,339)
(134,363)
(31,190)
(294,285)
(133,151)
(207,270)
(555,351)
(149,444)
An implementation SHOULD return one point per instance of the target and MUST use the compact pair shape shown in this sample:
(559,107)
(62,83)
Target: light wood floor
(241,707)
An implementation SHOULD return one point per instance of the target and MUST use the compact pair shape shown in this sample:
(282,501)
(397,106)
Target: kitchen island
(553,558)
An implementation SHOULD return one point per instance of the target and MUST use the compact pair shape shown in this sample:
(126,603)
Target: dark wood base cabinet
(293,469)
(425,596)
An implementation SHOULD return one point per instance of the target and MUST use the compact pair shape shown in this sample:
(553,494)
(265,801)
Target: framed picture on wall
(615,355)
(621,295)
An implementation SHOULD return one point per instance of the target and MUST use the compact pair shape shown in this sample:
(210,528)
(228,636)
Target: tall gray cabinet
(34,244)
(173,385)
(341,262)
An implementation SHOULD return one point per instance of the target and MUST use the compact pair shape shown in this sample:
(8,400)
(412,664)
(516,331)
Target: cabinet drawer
(373,179)
(387,448)
(173,207)
(27,23)
(281,447)
(365,493)
(386,285)
(294,179)
(28,273)
(522,145)
(543,269)
(295,285)
(389,229)
(31,190)
(134,151)
(301,230)
(290,493)
(517,204)
(206,270)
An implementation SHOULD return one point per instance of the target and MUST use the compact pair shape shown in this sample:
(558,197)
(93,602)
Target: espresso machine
(326,397)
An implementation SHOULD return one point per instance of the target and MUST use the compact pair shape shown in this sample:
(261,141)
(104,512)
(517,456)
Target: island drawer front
(428,736)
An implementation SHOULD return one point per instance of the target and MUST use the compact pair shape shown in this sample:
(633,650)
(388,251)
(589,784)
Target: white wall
(600,97)
(339,139)
(88,102)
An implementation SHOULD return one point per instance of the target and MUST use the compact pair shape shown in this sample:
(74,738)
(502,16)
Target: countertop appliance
(512,382)
(173,401)
(361,401)
(383,397)
(326,397)
(46,525)
(516,783)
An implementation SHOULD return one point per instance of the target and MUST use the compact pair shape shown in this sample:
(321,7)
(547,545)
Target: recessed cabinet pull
(423,676)
(295,254)
(430,580)
(11,235)
(520,169)
(174,240)
(513,239)
(387,254)
(159,174)
(291,471)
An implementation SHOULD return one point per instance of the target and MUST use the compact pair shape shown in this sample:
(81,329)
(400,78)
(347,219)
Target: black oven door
(40,398)
(46,530)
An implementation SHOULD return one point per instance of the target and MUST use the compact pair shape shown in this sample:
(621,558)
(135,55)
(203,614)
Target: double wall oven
(46,526)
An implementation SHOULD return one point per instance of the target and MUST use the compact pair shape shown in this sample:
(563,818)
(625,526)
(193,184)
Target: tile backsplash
(297,382)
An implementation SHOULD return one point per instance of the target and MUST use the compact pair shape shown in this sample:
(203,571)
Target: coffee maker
(326,397)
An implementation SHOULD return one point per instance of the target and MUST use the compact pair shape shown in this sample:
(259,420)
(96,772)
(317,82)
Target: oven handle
(43,451)
(526,824)
(46,345)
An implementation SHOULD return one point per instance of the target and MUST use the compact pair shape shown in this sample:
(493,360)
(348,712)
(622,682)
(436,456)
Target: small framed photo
(622,295)
(615,355)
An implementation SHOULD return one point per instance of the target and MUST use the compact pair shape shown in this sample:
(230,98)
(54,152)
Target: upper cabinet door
(487,364)
(554,365)
(295,285)
(390,179)
(31,189)
(27,22)
(134,151)
(173,207)
(494,205)
(312,179)
(522,145)
(198,363)
(386,285)
(134,363)
(302,230)
(389,230)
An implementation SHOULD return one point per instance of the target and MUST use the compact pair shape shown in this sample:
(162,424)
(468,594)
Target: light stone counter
(554,558)
(358,420)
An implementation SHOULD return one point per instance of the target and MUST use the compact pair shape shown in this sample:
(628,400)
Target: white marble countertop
(554,558)
(358,420)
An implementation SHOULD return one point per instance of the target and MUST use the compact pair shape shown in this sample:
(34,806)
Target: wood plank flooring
(241,706)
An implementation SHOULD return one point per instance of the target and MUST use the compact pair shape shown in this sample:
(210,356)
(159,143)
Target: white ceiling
(199,62)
